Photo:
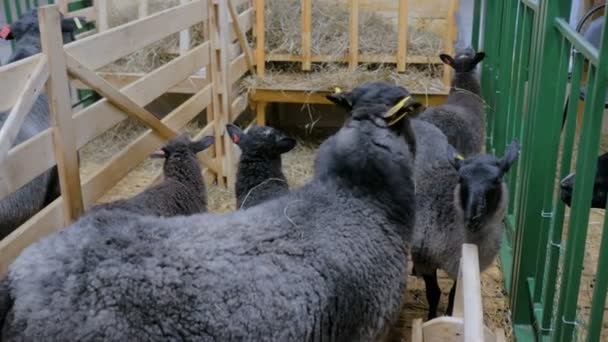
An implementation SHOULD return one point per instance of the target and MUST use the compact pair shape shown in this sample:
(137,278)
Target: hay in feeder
(330,27)
(423,79)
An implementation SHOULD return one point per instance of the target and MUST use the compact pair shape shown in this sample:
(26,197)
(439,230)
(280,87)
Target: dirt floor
(298,167)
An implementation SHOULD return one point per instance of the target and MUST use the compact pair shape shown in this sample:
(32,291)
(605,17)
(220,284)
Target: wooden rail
(224,58)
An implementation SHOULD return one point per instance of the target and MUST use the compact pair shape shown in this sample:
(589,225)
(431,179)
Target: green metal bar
(476,24)
(28,6)
(580,43)
(36,4)
(7,11)
(532,4)
(599,292)
(540,151)
(18,8)
(554,248)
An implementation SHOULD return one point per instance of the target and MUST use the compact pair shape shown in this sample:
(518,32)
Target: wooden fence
(222,54)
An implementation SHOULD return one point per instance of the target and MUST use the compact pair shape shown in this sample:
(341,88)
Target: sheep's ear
(236,134)
(286,144)
(446,59)
(342,99)
(159,154)
(511,156)
(203,144)
(405,107)
(454,158)
(479,57)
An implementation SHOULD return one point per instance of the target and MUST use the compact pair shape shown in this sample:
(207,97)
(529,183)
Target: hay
(419,79)
(330,26)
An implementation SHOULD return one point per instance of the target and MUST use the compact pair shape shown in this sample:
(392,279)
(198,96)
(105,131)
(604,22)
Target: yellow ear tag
(396,108)
(459,157)
(78,23)
(337,90)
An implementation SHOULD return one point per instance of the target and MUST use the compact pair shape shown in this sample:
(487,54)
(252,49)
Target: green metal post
(585,174)
(540,151)
(555,244)
(476,24)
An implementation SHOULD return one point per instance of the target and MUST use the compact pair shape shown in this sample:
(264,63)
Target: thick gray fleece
(440,230)
(326,262)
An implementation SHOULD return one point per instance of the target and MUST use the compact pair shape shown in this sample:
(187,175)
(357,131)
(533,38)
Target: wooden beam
(117,98)
(143,9)
(304,96)
(402,36)
(306,34)
(184,36)
(277,57)
(224,35)
(241,37)
(215,72)
(353,32)
(102,15)
(62,126)
(260,33)
(260,113)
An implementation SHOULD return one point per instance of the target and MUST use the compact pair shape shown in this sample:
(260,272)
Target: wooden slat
(142,9)
(13,78)
(190,85)
(402,36)
(353,34)
(99,117)
(238,106)
(101,7)
(215,71)
(275,57)
(305,96)
(184,36)
(117,98)
(241,37)
(245,21)
(306,34)
(223,19)
(450,37)
(121,163)
(260,33)
(471,284)
(238,68)
(62,126)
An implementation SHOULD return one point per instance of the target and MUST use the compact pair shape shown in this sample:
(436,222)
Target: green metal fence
(529,47)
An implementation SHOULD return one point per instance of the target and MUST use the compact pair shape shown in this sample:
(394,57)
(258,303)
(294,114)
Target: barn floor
(298,167)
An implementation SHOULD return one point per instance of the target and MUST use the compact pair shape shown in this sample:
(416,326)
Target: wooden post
(184,36)
(102,15)
(63,6)
(61,113)
(242,38)
(260,33)
(403,38)
(216,79)
(450,36)
(143,8)
(260,110)
(306,34)
(353,55)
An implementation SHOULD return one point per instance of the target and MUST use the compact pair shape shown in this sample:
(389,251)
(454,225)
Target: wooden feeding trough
(398,17)
(58,67)
(466,324)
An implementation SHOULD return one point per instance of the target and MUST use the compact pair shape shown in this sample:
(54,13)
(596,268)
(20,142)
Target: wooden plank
(260,32)
(238,106)
(117,98)
(471,283)
(303,96)
(417,330)
(225,64)
(102,15)
(238,68)
(275,57)
(62,126)
(97,118)
(353,32)
(121,163)
(215,73)
(402,36)
(12,125)
(13,77)
(184,36)
(306,34)
(450,37)
(143,9)
(241,37)
(190,85)
(260,113)
(245,21)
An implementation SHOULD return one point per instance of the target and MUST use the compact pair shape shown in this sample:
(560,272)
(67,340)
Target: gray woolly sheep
(22,204)
(325,262)
(259,176)
(462,118)
(457,201)
(182,192)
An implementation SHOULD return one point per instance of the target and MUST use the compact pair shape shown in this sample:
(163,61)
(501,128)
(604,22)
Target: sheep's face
(261,141)
(465,60)
(368,94)
(479,191)
(181,148)
(600,185)
(26,31)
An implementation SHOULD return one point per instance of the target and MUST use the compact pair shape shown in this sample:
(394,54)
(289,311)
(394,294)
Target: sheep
(259,176)
(600,186)
(328,261)
(462,118)
(457,201)
(22,204)
(182,192)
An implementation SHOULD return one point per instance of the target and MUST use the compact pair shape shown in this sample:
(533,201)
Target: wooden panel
(238,68)
(353,35)
(402,36)
(99,117)
(117,98)
(62,126)
(306,33)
